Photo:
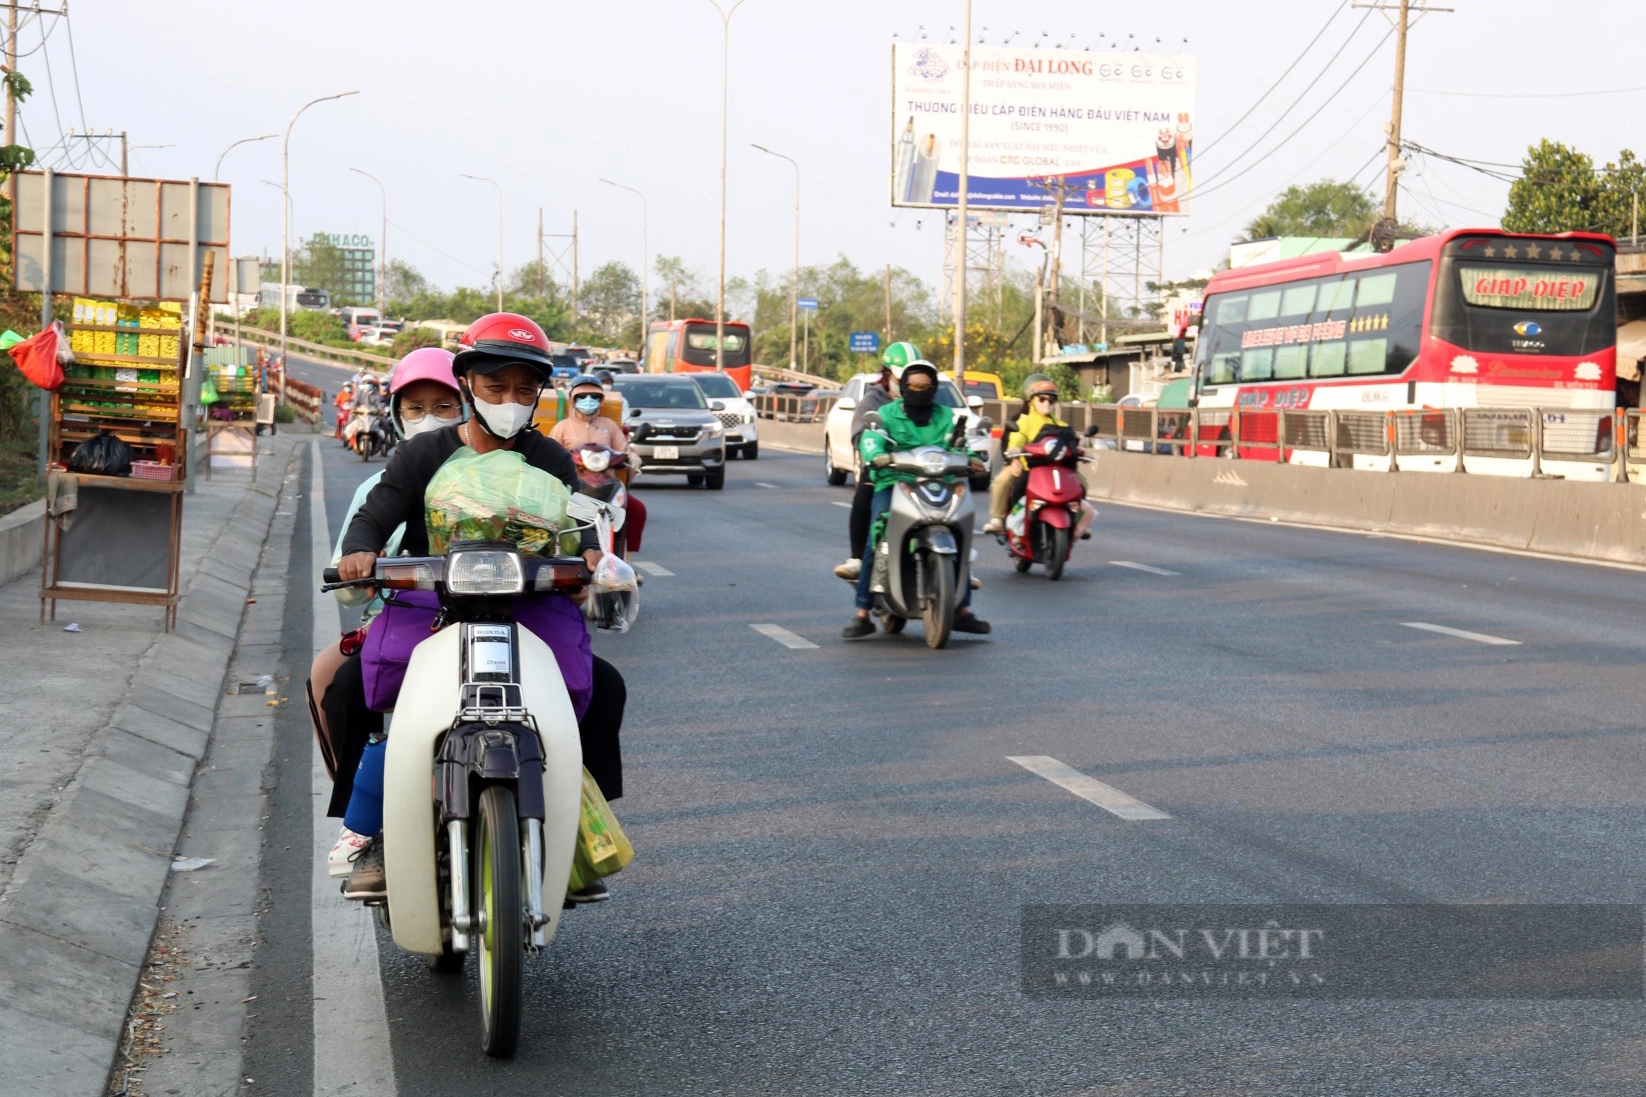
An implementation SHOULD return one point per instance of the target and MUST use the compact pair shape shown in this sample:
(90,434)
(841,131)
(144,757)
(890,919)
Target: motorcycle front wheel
(1057,547)
(501,945)
(938,612)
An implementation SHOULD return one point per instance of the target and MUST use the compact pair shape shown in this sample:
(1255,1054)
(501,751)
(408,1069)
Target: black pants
(860,517)
(352,724)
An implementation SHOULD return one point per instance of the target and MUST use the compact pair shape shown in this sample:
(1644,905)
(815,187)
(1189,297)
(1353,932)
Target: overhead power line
(1289,68)
(1526,95)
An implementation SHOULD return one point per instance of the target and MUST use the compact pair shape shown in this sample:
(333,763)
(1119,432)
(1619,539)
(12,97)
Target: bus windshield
(669,395)
(698,347)
(1507,307)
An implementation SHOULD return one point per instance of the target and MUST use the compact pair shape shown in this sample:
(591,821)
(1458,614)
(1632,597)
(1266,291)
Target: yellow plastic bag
(602,847)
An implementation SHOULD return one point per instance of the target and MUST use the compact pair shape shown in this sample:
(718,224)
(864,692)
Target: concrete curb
(22,539)
(1604,522)
(79,913)
(796,437)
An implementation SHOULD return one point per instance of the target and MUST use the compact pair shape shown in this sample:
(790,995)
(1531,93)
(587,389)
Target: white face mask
(425,424)
(503,420)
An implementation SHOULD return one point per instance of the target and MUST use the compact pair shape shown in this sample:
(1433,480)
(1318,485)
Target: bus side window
(1291,362)
(1298,300)
(671,353)
(1257,364)
(1368,355)
(1329,359)
(1224,369)
(1264,306)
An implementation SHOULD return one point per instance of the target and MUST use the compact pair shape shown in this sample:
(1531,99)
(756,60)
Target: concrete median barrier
(805,437)
(1585,520)
(22,537)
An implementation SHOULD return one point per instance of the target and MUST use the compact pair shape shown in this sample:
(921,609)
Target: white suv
(736,413)
(840,456)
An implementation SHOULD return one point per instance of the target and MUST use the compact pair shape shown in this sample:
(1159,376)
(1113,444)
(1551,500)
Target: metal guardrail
(1504,441)
(795,409)
(339,355)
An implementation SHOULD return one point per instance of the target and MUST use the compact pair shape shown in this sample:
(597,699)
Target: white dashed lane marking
(1143,567)
(784,637)
(1462,634)
(838,503)
(1110,799)
(763,484)
(650,568)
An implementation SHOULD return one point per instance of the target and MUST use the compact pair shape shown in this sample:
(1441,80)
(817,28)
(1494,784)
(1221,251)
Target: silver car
(673,430)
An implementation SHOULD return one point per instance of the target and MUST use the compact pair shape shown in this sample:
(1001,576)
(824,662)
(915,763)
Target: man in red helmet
(502,364)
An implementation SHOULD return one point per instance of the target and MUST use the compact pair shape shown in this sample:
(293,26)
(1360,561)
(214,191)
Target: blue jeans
(880,504)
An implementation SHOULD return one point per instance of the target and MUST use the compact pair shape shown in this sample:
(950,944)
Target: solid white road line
(650,568)
(763,484)
(351,1030)
(1143,567)
(838,503)
(784,637)
(1111,800)
(1462,634)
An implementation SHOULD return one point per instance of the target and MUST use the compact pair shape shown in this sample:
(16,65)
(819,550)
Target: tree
(1327,208)
(323,264)
(405,282)
(1561,190)
(610,303)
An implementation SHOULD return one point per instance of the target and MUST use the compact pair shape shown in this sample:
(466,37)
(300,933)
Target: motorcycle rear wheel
(500,944)
(1057,541)
(938,613)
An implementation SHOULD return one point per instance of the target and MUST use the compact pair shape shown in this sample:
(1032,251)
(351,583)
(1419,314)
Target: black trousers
(860,523)
(352,724)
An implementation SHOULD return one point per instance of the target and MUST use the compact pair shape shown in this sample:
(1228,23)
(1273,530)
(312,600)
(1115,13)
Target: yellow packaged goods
(494,496)
(85,312)
(602,847)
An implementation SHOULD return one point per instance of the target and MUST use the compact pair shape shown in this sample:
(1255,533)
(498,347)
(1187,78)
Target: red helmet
(503,339)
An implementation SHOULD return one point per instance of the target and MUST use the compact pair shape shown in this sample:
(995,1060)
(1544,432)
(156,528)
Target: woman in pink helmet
(423,396)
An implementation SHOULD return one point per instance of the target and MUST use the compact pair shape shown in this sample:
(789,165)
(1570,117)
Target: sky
(549,97)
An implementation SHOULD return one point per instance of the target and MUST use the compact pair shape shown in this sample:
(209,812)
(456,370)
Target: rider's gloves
(881,460)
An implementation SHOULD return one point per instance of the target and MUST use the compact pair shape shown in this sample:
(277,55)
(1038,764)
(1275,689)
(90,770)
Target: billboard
(114,236)
(1117,129)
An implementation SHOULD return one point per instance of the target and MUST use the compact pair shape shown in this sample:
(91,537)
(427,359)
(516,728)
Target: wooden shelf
(124,331)
(162,387)
(102,358)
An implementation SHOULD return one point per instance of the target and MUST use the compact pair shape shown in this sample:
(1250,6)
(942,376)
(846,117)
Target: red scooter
(602,473)
(1042,526)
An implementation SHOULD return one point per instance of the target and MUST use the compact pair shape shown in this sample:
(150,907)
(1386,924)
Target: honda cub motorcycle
(482,786)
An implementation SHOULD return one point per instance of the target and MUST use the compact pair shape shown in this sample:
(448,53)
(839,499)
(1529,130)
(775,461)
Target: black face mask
(919,403)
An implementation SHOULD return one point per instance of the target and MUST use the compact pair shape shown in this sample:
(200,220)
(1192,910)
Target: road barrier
(305,399)
(795,409)
(257,337)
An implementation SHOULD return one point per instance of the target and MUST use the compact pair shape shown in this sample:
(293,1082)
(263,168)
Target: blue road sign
(806,304)
(865,342)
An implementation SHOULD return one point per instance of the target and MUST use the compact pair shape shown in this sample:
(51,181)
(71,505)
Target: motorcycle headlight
(934,462)
(597,460)
(485,571)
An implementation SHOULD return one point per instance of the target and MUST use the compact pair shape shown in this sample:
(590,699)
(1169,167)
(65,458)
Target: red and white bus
(1468,319)
(688,346)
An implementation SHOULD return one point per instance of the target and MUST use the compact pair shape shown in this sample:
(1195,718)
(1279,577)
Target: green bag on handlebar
(494,496)
(602,847)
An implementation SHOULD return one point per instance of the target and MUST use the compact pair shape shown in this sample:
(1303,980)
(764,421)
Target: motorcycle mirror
(872,421)
(1091,431)
(985,424)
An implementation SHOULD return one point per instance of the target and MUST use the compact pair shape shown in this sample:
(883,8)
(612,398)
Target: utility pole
(888,304)
(574,264)
(539,253)
(965,185)
(1391,181)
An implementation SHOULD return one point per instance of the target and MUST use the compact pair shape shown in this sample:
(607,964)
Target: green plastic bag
(494,496)
(602,847)
(208,391)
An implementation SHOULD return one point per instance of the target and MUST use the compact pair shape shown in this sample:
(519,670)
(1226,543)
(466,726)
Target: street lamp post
(382,247)
(499,186)
(285,225)
(645,262)
(965,185)
(218,170)
(725,81)
(794,290)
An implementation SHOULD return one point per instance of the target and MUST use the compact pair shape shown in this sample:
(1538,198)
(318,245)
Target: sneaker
(977,584)
(994,525)
(596,892)
(367,881)
(850,570)
(1087,536)
(340,861)
(859,628)
(971,622)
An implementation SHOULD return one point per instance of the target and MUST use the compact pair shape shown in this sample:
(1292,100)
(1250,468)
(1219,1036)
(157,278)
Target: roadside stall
(120,421)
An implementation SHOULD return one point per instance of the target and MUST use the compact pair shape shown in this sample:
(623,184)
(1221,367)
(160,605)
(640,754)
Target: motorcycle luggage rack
(492,703)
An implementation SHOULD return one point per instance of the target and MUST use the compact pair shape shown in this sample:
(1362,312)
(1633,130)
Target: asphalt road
(834,849)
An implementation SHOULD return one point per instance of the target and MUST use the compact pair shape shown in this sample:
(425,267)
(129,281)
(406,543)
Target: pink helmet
(424,364)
